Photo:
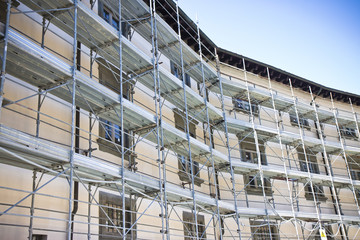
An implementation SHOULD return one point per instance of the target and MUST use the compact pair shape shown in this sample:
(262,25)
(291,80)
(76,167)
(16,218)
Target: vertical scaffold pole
(343,148)
(73,113)
(328,164)
(159,128)
(187,122)
(209,133)
(121,99)
(32,206)
(6,41)
(252,117)
(305,155)
(228,143)
(283,158)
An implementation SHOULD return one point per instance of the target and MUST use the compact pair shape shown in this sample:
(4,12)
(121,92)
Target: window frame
(348,133)
(314,168)
(255,226)
(242,105)
(253,182)
(190,227)
(125,26)
(304,122)
(110,203)
(176,71)
(107,141)
(184,164)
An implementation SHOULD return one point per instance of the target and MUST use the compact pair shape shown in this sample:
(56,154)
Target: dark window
(355,173)
(109,77)
(110,138)
(111,216)
(176,71)
(200,88)
(313,168)
(261,231)
(190,226)
(184,162)
(39,237)
(244,106)
(113,133)
(303,121)
(249,154)
(112,18)
(347,132)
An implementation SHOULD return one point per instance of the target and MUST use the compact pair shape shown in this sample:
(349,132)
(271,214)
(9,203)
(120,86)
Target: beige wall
(56,115)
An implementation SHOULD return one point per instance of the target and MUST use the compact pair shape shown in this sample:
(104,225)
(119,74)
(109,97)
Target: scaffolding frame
(75,167)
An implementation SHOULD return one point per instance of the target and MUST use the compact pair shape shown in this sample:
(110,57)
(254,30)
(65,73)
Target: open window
(313,168)
(111,216)
(242,105)
(249,154)
(184,163)
(304,123)
(190,226)
(261,230)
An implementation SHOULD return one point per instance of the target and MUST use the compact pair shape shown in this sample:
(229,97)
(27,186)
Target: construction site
(121,119)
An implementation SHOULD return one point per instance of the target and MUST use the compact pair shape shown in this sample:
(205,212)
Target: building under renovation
(121,119)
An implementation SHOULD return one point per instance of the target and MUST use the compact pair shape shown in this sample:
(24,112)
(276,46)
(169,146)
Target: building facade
(123,120)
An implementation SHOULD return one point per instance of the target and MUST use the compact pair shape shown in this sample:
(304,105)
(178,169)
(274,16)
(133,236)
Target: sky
(315,39)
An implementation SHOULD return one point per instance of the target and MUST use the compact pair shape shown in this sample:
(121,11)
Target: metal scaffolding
(95,132)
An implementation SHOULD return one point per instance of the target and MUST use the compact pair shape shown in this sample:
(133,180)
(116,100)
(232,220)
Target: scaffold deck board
(95,33)
(34,153)
(92,95)
(262,96)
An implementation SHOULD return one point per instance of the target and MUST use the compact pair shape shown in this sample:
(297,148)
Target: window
(249,154)
(110,136)
(112,210)
(109,77)
(349,133)
(190,226)
(39,237)
(355,169)
(176,71)
(184,163)
(111,17)
(355,174)
(200,88)
(244,106)
(261,231)
(313,168)
(303,122)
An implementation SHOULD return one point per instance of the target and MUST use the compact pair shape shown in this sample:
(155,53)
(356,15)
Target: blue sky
(315,39)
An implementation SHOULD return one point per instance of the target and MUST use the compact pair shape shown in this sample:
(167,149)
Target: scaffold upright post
(32,205)
(258,153)
(348,171)
(210,134)
(283,158)
(328,166)
(317,207)
(3,64)
(187,122)
(121,100)
(218,71)
(73,113)
(159,129)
